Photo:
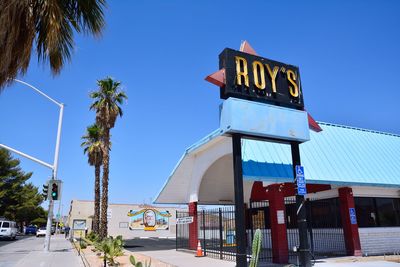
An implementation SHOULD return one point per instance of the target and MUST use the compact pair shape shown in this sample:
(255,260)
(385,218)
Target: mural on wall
(149,219)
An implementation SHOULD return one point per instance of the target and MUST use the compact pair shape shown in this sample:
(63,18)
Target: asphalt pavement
(149,244)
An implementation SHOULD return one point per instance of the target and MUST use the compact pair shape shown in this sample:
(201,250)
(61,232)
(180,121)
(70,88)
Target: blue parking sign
(299,170)
(300,180)
(353,217)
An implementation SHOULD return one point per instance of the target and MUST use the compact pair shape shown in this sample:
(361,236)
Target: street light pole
(55,164)
(54,177)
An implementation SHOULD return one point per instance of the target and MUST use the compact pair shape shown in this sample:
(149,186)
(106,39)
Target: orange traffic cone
(199,252)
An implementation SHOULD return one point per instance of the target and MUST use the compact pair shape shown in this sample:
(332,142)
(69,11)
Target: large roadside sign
(260,79)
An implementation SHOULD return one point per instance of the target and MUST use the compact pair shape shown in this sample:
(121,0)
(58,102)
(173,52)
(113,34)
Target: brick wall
(379,240)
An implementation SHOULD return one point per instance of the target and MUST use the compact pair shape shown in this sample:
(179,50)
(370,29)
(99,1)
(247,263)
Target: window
(387,213)
(377,212)
(365,211)
(123,225)
(6,225)
(325,213)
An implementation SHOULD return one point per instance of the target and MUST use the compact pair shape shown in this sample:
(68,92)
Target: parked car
(8,229)
(41,232)
(30,230)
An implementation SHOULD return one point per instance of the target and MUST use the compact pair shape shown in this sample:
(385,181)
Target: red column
(350,226)
(193,227)
(280,252)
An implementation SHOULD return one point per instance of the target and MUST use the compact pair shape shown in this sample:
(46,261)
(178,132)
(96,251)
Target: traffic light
(54,190)
(45,190)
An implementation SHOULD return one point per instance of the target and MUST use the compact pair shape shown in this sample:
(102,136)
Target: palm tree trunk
(104,193)
(96,219)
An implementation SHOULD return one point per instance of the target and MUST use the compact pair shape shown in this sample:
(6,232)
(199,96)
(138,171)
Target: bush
(92,236)
(139,263)
(83,245)
(111,248)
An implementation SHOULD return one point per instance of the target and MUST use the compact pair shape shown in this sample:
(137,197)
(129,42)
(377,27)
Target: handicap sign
(301,181)
(299,170)
(353,218)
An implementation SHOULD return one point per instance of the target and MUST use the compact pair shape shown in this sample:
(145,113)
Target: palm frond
(50,24)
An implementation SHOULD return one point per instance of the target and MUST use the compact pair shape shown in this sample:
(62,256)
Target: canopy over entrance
(339,155)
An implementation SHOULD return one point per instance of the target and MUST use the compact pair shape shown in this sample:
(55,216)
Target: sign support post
(304,249)
(241,256)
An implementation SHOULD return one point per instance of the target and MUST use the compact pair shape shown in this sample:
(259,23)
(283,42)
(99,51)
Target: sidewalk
(185,259)
(62,254)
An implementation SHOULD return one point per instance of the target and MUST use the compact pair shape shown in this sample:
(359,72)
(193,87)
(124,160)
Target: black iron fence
(182,232)
(325,231)
(258,217)
(217,231)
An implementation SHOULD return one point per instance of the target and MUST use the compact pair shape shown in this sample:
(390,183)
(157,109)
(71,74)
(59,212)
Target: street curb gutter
(81,254)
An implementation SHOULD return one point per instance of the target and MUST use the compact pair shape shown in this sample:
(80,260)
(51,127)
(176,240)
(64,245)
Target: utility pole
(54,177)
(54,167)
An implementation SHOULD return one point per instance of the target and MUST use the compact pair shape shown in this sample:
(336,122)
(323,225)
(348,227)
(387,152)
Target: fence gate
(325,231)
(217,232)
(258,217)
(182,232)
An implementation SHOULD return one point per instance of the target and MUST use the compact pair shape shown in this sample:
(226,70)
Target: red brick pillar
(193,227)
(349,222)
(280,252)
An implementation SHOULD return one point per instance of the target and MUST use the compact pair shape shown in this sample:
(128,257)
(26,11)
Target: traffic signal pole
(54,167)
(54,177)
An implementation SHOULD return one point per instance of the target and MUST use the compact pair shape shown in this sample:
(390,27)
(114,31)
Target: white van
(8,229)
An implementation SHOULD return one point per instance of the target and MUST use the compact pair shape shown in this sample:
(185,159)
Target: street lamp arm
(27,156)
(40,92)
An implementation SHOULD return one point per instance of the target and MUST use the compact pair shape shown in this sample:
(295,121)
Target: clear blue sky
(348,54)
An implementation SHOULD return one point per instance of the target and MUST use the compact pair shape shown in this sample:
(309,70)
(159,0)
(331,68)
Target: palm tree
(50,24)
(107,101)
(92,146)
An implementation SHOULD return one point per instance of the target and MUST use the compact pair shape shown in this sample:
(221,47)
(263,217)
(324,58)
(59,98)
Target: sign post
(252,85)
(304,249)
(241,256)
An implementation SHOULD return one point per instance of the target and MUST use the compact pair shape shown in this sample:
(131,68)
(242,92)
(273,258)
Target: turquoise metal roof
(337,155)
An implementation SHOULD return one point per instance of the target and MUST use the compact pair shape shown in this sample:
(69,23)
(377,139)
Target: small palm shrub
(139,263)
(256,247)
(92,236)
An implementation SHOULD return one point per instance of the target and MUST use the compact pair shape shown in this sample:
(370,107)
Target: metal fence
(259,218)
(217,232)
(325,231)
(182,232)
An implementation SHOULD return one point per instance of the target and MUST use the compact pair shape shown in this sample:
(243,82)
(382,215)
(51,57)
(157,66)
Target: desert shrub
(139,263)
(111,248)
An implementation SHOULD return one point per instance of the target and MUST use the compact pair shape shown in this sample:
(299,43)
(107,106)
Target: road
(13,251)
(149,244)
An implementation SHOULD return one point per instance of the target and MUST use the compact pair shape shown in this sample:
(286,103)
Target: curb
(81,254)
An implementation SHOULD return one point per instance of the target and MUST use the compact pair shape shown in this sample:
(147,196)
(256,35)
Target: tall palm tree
(92,146)
(50,24)
(107,101)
